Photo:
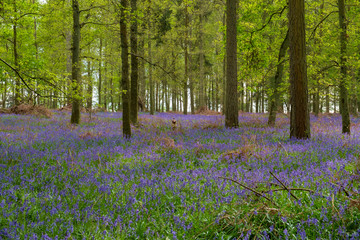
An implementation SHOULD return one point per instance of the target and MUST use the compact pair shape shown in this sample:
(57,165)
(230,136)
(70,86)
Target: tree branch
(171,74)
(250,189)
(284,186)
(91,7)
(25,83)
(312,35)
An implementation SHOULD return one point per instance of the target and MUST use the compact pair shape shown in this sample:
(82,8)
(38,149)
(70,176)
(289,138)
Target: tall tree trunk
(299,117)
(75,64)
(134,65)
(224,70)
(100,73)
(112,90)
(173,99)
(36,45)
(275,96)
(4,94)
(344,107)
(125,71)
(231,112)
(335,100)
(191,83)
(106,84)
(68,82)
(90,87)
(317,97)
(142,77)
(327,99)
(152,100)
(202,82)
(16,60)
(186,77)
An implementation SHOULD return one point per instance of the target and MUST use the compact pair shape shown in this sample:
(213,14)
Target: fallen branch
(292,189)
(284,186)
(250,189)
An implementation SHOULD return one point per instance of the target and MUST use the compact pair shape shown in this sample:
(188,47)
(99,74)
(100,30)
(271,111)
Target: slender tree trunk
(186,77)
(275,96)
(152,100)
(106,84)
(90,87)
(300,118)
(100,74)
(112,91)
(317,97)
(68,82)
(5,93)
(335,100)
(134,66)
(125,71)
(75,64)
(142,77)
(344,107)
(202,81)
(224,70)
(36,45)
(327,100)
(16,60)
(173,100)
(191,84)
(231,112)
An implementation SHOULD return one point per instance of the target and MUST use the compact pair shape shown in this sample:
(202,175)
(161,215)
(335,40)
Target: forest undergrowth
(197,180)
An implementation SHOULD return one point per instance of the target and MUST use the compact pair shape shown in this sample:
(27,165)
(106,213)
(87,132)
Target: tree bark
(202,94)
(100,73)
(75,64)
(134,65)
(16,60)
(300,118)
(275,96)
(125,71)
(90,87)
(186,77)
(344,107)
(231,112)
(152,100)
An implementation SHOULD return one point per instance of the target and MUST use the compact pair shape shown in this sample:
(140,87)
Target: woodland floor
(199,181)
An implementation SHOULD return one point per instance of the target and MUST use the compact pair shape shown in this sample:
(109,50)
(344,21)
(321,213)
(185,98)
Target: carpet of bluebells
(198,181)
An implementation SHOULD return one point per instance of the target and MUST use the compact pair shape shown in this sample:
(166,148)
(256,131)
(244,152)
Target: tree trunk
(202,94)
(317,97)
(16,60)
(173,99)
(75,64)
(224,70)
(142,76)
(344,107)
(300,118)
(125,71)
(68,82)
(90,88)
(106,84)
(231,112)
(275,96)
(327,100)
(152,100)
(134,65)
(186,77)
(100,73)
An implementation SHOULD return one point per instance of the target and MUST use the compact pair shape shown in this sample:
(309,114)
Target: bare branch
(250,189)
(282,184)
(91,8)
(312,35)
